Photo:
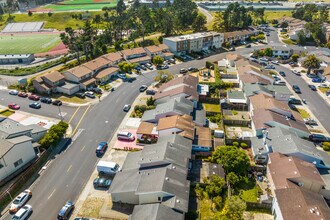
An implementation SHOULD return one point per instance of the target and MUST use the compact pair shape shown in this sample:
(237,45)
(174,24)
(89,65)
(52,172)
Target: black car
(97,90)
(150,92)
(66,210)
(143,88)
(80,95)
(102,183)
(192,69)
(318,138)
(248,46)
(312,87)
(282,73)
(296,89)
(35,105)
(295,101)
(101,148)
(57,102)
(46,100)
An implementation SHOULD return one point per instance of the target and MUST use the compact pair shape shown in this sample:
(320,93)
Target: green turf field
(32,43)
(83,5)
(78,2)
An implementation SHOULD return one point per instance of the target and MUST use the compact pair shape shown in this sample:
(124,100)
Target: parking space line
(69,168)
(51,194)
(83,148)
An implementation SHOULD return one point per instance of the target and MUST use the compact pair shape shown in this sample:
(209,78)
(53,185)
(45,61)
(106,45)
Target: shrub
(235,143)
(234,112)
(326,146)
(244,145)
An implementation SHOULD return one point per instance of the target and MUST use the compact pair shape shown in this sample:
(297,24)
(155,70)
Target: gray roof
(278,88)
(235,95)
(179,105)
(69,86)
(155,212)
(36,128)
(286,142)
(254,88)
(14,56)
(7,144)
(9,126)
(200,116)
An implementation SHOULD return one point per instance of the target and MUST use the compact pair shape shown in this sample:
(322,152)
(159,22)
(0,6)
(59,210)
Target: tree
(232,158)
(268,52)
(163,76)
(158,60)
(49,14)
(121,7)
(214,186)
(284,24)
(30,13)
(232,179)
(125,67)
(71,40)
(301,37)
(199,23)
(218,22)
(324,14)
(184,13)
(234,208)
(150,101)
(311,62)
(295,57)
(97,20)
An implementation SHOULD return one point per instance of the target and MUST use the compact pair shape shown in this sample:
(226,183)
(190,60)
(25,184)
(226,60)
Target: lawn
(303,113)
(6,112)
(79,5)
(289,41)
(270,15)
(29,43)
(205,209)
(212,108)
(91,207)
(249,195)
(72,99)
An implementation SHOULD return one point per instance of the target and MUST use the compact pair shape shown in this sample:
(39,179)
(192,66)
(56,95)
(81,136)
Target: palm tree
(311,62)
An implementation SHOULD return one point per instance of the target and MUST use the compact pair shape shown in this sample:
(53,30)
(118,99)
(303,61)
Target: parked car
(23,94)
(143,88)
(14,106)
(323,85)
(269,67)
(296,88)
(46,100)
(125,135)
(149,66)
(312,87)
(24,213)
(163,67)
(296,72)
(274,62)
(263,59)
(34,97)
(80,95)
(318,138)
(279,83)
(97,90)
(102,183)
(126,108)
(172,60)
(183,70)
(294,101)
(312,76)
(90,94)
(309,121)
(232,49)
(317,80)
(107,167)
(248,45)
(57,102)
(101,148)
(35,105)
(13,92)
(199,58)
(122,76)
(150,92)
(268,34)
(20,200)
(65,211)
(193,69)
(282,73)
(143,67)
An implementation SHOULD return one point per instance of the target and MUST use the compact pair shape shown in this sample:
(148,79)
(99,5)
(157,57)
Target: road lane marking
(83,148)
(82,117)
(74,115)
(51,194)
(69,168)
(76,135)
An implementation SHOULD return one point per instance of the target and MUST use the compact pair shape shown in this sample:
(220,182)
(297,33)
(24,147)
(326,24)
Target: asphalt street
(66,176)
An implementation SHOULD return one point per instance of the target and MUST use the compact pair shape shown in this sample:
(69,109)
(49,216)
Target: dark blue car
(101,148)
(317,80)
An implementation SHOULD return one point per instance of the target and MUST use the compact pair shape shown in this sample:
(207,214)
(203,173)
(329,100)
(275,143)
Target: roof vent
(178,201)
(295,172)
(174,167)
(166,178)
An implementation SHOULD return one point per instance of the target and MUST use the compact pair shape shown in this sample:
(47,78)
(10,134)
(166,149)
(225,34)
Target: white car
(13,92)
(90,94)
(323,85)
(20,200)
(23,213)
(296,72)
(126,108)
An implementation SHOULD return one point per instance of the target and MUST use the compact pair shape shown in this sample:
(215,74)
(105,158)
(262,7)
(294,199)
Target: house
(283,52)
(82,75)
(113,58)
(49,82)
(203,140)
(106,74)
(215,169)
(136,55)
(286,142)
(283,170)
(281,93)
(237,100)
(8,59)
(326,74)
(263,118)
(182,125)
(15,154)
(97,64)
(196,42)
(185,86)
(238,36)
(161,50)
(11,129)
(146,132)
(37,132)
(155,211)
(199,116)
(261,101)
(252,74)
(176,106)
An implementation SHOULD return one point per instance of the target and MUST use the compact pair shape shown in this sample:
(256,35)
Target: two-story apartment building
(97,64)
(113,58)
(161,50)
(49,82)
(81,75)
(283,52)
(136,55)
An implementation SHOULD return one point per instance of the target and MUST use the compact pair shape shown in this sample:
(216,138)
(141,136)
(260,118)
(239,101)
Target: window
(19,162)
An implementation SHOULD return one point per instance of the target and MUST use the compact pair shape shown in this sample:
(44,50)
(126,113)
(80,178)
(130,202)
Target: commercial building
(16,58)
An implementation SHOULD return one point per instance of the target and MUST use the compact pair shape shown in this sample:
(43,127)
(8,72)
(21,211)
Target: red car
(23,94)
(14,106)
(34,97)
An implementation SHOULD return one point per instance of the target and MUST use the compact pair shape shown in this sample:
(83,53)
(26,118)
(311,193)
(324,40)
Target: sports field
(28,43)
(78,5)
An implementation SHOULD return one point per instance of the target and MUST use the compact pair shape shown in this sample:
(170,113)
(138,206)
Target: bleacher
(23,27)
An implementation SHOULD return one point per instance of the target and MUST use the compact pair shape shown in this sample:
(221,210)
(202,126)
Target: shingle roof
(129,52)
(140,59)
(203,136)
(262,101)
(96,63)
(107,72)
(79,71)
(183,123)
(188,80)
(155,212)
(9,126)
(7,144)
(157,48)
(191,92)
(145,128)
(113,57)
(53,76)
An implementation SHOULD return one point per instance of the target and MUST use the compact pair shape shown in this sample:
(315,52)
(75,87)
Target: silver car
(23,213)
(20,200)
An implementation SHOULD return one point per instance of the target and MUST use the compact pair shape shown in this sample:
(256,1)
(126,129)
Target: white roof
(106,164)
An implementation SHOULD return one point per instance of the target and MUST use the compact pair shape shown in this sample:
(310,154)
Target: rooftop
(203,137)
(133,51)
(189,92)
(8,144)
(157,48)
(113,57)
(188,80)
(193,36)
(106,72)
(96,63)
(155,212)
(9,127)
(266,102)
(145,128)
(53,76)
(184,123)
(79,71)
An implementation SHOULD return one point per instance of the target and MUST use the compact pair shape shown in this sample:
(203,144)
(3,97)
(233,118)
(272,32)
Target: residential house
(161,50)
(155,211)
(113,58)
(283,52)
(136,55)
(326,74)
(185,86)
(106,74)
(146,133)
(263,118)
(182,125)
(238,36)
(261,101)
(200,119)
(278,139)
(97,64)
(15,154)
(252,74)
(281,93)
(80,74)
(237,100)
(49,82)
(11,129)
(202,142)
(196,42)
(176,106)
(214,169)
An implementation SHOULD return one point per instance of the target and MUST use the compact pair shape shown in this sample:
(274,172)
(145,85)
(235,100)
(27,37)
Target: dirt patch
(91,207)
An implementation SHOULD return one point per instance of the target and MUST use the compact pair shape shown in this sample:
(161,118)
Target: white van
(124,135)
(105,167)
